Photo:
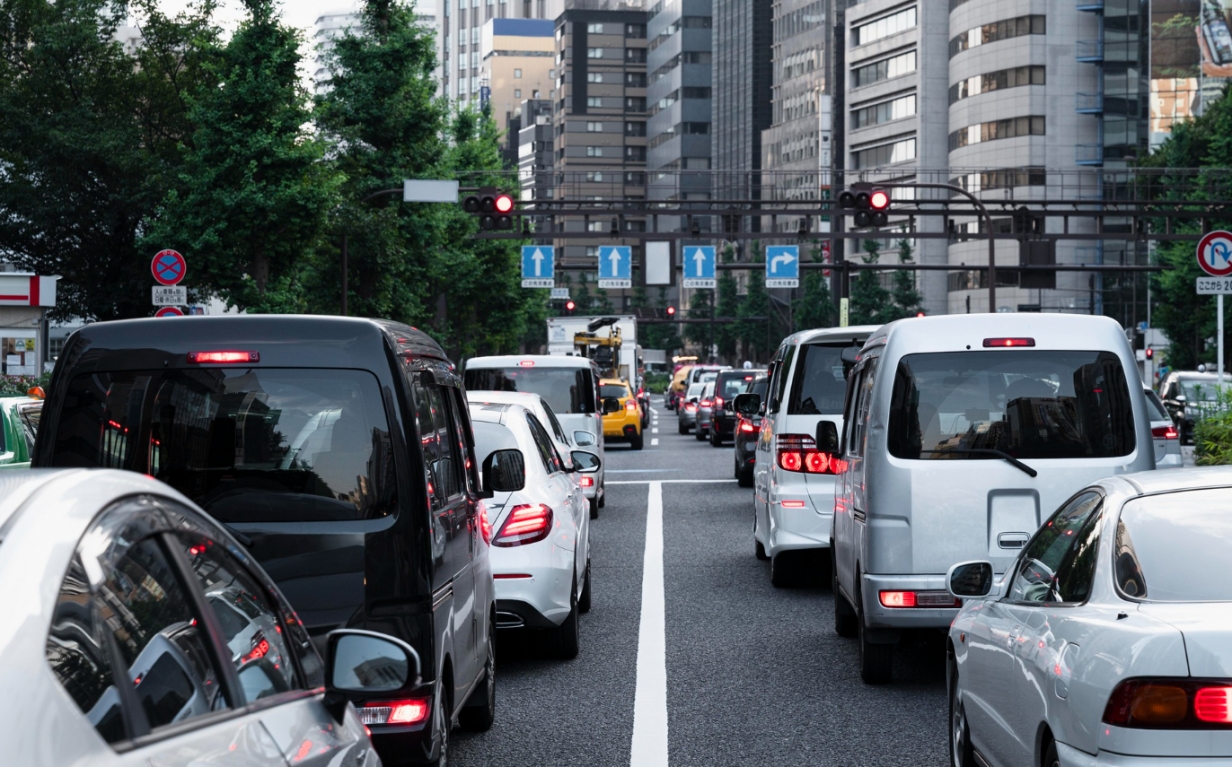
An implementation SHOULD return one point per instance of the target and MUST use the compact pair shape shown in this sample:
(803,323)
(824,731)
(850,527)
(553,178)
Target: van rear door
(815,393)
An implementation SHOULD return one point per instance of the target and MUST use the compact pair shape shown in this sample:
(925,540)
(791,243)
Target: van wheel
(602,496)
(715,439)
(744,478)
(480,710)
(566,638)
(441,719)
(636,441)
(844,616)
(784,570)
(876,660)
(594,509)
(584,600)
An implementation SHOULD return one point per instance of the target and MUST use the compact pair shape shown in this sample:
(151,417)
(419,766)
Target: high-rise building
(739,95)
(331,25)
(517,60)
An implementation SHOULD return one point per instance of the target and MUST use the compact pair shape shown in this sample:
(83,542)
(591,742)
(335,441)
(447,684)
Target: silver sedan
(1109,639)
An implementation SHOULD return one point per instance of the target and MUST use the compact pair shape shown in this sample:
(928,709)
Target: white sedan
(540,524)
(137,631)
(1109,641)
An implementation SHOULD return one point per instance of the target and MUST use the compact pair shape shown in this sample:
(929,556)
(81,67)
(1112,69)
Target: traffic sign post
(783,266)
(616,266)
(560,294)
(168,267)
(169,311)
(170,295)
(1214,255)
(538,266)
(699,263)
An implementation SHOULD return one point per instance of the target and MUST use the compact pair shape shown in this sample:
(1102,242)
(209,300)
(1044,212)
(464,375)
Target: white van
(793,479)
(963,433)
(570,386)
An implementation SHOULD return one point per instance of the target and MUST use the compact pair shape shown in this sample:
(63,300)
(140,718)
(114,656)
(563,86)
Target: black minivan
(339,451)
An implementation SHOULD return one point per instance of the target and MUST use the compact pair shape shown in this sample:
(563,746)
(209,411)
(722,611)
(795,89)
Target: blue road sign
(698,265)
(615,266)
(538,266)
(783,266)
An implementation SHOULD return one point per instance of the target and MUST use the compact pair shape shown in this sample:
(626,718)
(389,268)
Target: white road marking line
(654,431)
(654,441)
(650,699)
(668,481)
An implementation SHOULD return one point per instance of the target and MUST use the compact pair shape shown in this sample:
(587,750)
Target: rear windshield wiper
(1017,464)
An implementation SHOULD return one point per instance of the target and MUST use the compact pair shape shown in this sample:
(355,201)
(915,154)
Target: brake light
(631,405)
(705,403)
(718,403)
(526,363)
(792,504)
(798,453)
(998,342)
(691,406)
(485,525)
(897,599)
(394,712)
(1171,704)
(223,357)
(588,481)
(1165,432)
(747,427)
(526,524)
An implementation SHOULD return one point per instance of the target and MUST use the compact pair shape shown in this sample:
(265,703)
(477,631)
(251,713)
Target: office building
(331,25)
(517,63)
(739,95)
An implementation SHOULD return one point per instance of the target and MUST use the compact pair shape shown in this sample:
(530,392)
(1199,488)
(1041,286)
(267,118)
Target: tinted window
(557,429)
(1174,547)
(778,385)
(29,415)
(1154,408)
(1030,404)
(436,437)
(246,444)
(820,382)
(159,637)
(1200,391)
(543,443)
(760,386)
(250,627)
(613,390)
(1059,561)
(567,390)
(863,394)
(729,384)
(490,437)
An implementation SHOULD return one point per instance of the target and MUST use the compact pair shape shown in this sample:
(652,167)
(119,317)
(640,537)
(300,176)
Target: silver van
(962,433)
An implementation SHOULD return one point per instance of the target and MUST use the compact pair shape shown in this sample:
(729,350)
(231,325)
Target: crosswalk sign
(615,266)
(538,266)
(783,266)
(699,266)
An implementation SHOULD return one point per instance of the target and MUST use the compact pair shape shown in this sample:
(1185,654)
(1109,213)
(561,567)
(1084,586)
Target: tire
(566,638)
(844,615)
(715,439)
(636,441)
(443,706)
(745,478)
(681,427)
(480,710)
(602,497)
(759,551)
(1051,759)
(700,435)
(876,660)
(584,600)
(594,508)
(962,753)
(783,570)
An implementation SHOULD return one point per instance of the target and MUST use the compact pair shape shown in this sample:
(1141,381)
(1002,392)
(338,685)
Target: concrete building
(740,95)
(517,63)
(331,25)
(535,149)
(25,299)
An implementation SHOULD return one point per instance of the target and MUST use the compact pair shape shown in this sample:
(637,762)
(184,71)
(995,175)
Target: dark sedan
(723,416)
(747,431)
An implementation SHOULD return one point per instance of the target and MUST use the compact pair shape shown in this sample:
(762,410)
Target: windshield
(240,442)
(613,390)
(695,390)
(731,384)
(567,390)
(1201,391)
(29,415)
(820,381)
(1174,547)
(1029,404)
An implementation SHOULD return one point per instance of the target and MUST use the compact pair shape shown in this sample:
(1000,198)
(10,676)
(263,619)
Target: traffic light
(494,208)
(1150,353)
(671,312)
(871,205)
(569,307)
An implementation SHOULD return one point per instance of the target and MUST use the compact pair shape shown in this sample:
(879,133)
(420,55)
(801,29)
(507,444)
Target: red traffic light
(1150,353)
(879,199)
(570,306)
(671,311)
(504,203)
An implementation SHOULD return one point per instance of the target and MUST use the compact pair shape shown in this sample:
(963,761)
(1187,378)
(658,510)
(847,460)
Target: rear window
(613,390)
(1029,404)
(248,445)
(569,391)
(1174,547)
(29,415)
(1154,408)
(731,384)
(820,382)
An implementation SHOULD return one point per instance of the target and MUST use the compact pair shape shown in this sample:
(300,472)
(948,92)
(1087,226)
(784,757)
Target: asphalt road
(754,674)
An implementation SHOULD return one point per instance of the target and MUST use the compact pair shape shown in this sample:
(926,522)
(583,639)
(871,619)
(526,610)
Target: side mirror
(583,438)
(970,580)
(611,405)
(587,463)
(1180,398)
(747,404)
(827,437)
(504,471)
(365,663)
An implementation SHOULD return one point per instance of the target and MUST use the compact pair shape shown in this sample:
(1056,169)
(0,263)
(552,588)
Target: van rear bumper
(878,616)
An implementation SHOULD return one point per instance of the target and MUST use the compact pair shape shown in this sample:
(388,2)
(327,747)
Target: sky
(298,13)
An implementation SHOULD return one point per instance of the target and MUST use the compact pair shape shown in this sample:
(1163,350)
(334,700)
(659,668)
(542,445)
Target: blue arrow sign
(783,266)
(699,266)
(615,266)
(538,266)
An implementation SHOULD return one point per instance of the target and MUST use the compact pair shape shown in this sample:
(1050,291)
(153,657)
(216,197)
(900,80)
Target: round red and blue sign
(169,311)
(168,267)
(1215,254)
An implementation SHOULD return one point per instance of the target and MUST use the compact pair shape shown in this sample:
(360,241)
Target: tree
(727,303)
(89,141)
(869,300)
(904,293)
(255,193)
(700,304)
(815,307)
(753,314)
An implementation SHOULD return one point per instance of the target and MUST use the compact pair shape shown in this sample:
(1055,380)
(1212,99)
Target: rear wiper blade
(1017,464)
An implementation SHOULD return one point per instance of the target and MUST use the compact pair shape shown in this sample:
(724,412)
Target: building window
(996,130)
(594,77)
(594,127)
(866,74)
(635,104)
(474,35)
(517,93)
(635,129)
(534,94)
(594,53)
(637,31)
(594,151)
(594,101)
(517,74)
(595,176)
(895,109)
(594,29)
(1002,178)
(898,151)
(474,59)
(995,81)
(998,30)
(883,27)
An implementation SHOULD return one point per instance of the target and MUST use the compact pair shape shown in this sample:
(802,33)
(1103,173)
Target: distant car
(114,575)
(677,388)
(622,416)
(1186,395)
(1107,640)
(746,433)
(540,529)
(723,417)
(1163,433)
(19,417)
(705,409)
(643,402)
(686,414)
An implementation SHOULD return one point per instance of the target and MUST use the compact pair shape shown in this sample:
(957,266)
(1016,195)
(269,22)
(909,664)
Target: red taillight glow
(792,504)
(511,576)
(790,460)
(691,406)
(898,598)
(526,363)
(1170,704)
(718,403)
(526,524)
(747,427)
(1165,432)
(588,481)
(797,452)
(485,525)
(705,403)
(223,357)
(394,712)
(1211,705)
(1000,342)
(258,652)
(631,405)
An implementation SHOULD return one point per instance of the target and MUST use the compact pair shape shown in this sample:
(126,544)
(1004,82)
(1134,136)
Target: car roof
(539,360)
(490,412)
(855,332)
(613,382)
(956,332)
(1193,375)
(1157,481)
(16,487)
(527,399)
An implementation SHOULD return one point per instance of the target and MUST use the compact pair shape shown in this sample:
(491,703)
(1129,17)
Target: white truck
(562,330)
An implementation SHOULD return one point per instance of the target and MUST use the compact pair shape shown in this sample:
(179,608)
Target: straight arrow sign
(699,268)
(538,266)
(615,266)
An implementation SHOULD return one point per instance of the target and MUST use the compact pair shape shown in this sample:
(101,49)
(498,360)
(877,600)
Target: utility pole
(836,81)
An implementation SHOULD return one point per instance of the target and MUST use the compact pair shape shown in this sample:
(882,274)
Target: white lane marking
(668,481)
(650,699)
(654,441)
(654,431)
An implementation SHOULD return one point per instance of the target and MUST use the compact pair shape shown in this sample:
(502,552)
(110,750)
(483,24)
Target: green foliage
(815,306)
(872,304)
(657,383)
(904,293)
(758,343)
(699,309)
(1213,430)
(18,386)
(727,301)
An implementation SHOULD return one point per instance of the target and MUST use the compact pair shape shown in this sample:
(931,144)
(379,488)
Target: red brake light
(718,402)
(631,405)
(798,453)
(998,342)
(526,363)
(1211,705)
(747,427)
(792,504)
(790,460)
(394,712)
(1165,432)
(588,481)
(1170,704)
(705,403)
(485,526)
(526,524)
(223,357)
(898,598)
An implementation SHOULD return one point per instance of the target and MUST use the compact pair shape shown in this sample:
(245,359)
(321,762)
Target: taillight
(798,453)
(631,405)
(691,406)
(897,599)
(1170,704)
(792,504)
(485,526)
(394,712)
(705,403)
(1007,342)
(747,427)
(227,357)
(1164,432)
(718,403)
(526,524)
(588,481)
